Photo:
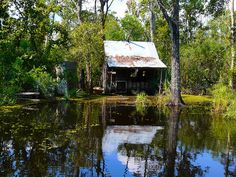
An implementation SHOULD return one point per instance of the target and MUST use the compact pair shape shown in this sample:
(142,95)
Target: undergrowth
(224,100)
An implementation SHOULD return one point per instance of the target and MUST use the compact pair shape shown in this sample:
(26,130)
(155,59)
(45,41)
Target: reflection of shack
(132,67)
(125,140)
(66,77)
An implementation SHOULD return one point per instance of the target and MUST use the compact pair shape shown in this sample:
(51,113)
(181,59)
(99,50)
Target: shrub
(43,81)
(231,110)
(161,99)
(7,95)
(81,93)
(222,96)
(164,97)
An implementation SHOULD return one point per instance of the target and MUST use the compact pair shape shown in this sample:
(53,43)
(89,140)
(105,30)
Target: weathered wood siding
(133,80)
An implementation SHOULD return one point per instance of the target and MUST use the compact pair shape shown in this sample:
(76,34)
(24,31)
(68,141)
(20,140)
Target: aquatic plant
(141,98)
(140,102)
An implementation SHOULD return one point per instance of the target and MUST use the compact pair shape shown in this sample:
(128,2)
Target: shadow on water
(85,139)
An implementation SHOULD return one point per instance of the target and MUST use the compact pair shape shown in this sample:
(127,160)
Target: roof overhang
(123,54)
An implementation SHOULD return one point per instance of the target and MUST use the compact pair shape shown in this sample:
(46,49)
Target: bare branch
(110,4)
(176,11)
(164,11)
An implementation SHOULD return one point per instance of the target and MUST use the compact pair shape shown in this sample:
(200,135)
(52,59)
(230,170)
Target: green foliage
(224,100)
(161,100)
(43,81)
(113,30)
(133,28)
(29,36)
(88,50)
(141,102)
(202,62)
(141,98)
(221,97)
(8,95)
(81,94)
(231,109)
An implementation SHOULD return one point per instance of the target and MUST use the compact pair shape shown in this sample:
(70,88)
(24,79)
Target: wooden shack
(131,67)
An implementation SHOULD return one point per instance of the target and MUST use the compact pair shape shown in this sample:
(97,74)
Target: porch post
(104,78)
(160,84)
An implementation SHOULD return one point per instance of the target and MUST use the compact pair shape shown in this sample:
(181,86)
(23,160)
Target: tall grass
(163,98)
(141,98)
(141,102)
(224,100)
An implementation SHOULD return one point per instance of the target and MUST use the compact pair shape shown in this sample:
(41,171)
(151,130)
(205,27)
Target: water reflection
(71,139)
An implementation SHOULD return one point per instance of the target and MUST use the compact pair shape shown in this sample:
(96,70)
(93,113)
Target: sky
(119,6)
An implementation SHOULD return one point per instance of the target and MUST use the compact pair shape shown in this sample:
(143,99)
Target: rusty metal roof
(132,54)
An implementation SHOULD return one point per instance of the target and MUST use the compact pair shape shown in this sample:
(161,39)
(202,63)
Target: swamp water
(85,139)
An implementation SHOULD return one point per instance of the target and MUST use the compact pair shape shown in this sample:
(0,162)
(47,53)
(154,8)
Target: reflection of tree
(223,130)
(178,163)
(184,164)
(65,138)
(144,156)
(52,140)
(194,129)
(172,141)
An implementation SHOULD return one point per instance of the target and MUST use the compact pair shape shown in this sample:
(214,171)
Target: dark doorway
(121,87)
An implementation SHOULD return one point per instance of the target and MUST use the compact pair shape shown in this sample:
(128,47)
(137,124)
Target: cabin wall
(132,81)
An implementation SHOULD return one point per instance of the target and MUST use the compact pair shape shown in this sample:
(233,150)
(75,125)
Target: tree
(190,18)
(29,38)
(88,51)
(133,28)
(104,8)
(172,141)
(173,23)
(113,30)
(152,20)
(79,10)
(232,43)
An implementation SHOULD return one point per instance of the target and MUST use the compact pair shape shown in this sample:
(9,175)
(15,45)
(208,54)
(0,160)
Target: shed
(131,67)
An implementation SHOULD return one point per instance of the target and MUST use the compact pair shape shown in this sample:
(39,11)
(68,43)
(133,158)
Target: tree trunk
(88,77)
(232,42)
(152,20)
(104,77)
(79,10)
(95,8)
(81,81)
(176,99)
(173,23)
(102,7)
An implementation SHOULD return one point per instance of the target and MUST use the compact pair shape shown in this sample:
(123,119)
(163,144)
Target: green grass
(10,108)
(197,99)
(162,100)
(149,100)
(95,98)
